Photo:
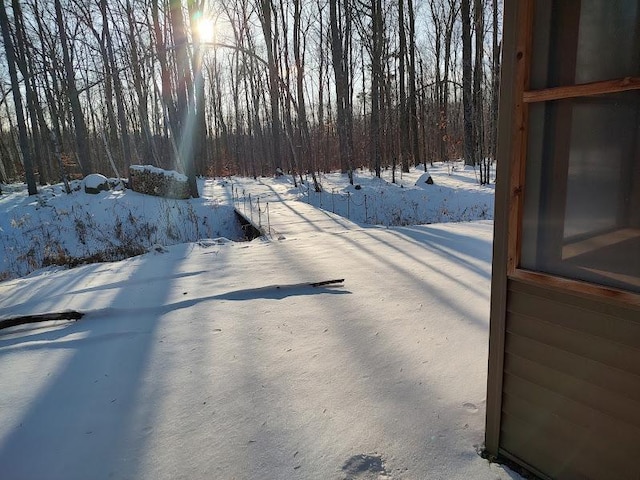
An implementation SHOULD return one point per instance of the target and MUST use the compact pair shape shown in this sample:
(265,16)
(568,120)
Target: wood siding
(571,385)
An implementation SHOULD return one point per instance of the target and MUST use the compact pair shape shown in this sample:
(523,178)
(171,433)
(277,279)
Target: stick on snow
(308,284)
(40,317)
(326,282)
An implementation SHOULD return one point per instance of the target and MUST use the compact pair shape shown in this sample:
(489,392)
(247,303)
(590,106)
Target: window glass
(582,191)
(602,139)
(570,34)
(608,33)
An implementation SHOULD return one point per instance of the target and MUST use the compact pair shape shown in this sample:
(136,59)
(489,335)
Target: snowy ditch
(55,229)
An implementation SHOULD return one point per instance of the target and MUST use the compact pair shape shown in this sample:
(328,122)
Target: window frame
(524,97)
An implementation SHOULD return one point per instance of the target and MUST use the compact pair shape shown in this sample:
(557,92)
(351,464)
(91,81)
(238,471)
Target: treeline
(245,86)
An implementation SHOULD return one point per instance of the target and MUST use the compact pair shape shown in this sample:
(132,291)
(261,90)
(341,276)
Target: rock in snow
(95,183)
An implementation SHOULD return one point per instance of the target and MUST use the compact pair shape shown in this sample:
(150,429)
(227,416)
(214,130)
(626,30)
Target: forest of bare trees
(225,87)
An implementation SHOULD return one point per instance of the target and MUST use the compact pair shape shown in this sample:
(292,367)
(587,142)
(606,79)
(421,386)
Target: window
(581,211)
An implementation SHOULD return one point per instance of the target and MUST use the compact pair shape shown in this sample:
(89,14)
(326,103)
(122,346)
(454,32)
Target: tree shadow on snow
(83,416)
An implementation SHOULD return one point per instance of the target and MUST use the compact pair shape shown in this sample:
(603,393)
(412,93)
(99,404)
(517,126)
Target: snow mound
(211,242)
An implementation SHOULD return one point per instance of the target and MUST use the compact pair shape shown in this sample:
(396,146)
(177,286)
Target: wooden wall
(571,386)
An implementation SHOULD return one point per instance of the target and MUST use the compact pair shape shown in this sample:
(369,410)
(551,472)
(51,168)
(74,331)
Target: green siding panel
(555,451)
(550,405)
(621,325)
(611,366)
(571,384)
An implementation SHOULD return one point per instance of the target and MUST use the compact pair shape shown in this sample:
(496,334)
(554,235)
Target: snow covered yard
(213,359)
(455,195)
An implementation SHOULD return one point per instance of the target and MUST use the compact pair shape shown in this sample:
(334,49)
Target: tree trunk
(17,99)
(413,110)
(108,73)
(440,86)
(343,106)
(266,10)
(23,62)
(404,113)
(467,94)
(376,80)
(117,88)
(288,123)
(140,88)
(55,132)
(303,124)
(200,127)
(168,106)
(320,142)
(448,44)
(81,133)
(478,110)
(184,89)
(495,84)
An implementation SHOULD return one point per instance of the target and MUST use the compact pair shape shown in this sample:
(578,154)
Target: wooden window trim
(586,289)
(524,43)
(582,90)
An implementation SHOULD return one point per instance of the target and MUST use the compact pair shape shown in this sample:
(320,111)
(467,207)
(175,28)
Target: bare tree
(266,12)
(117,84)
(478,76)
(340,37)
(81,132)
(303,125)
(376,80)
(467,93)
(404,112)
(24,63)
(183,86)
(139,85)
(17,99)
(200,127)
(169,112)
(495,82)
(412,100)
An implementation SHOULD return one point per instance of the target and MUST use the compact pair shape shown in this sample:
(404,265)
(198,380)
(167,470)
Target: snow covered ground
(214,359)
(455,195)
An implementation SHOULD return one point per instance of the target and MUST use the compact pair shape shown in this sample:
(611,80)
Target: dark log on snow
(41,317)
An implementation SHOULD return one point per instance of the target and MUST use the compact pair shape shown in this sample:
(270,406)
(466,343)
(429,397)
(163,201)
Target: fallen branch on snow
(40,317)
